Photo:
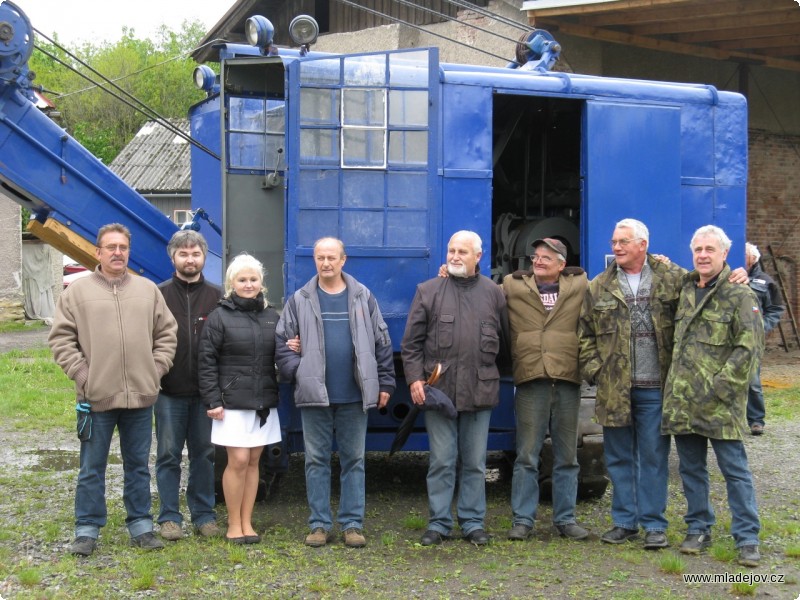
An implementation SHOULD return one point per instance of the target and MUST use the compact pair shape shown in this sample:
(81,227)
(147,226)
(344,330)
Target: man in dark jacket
(772,308)
(543,309)
(461,322)
(333,343)
(180,415)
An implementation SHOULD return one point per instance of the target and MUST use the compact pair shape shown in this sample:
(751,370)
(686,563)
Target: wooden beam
(617,37)
(711,25)
(785,51)
(760,42)
(67,241)
(683,12)
(603,7)
(739,33)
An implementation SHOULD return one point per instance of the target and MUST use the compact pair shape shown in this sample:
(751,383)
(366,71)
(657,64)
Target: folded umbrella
(435,399)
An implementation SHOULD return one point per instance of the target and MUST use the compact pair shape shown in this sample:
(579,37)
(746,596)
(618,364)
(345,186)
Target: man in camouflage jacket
(719,337)
(625,329)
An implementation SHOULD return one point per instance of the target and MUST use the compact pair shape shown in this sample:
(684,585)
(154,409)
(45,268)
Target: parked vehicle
(73,271)
(392,152)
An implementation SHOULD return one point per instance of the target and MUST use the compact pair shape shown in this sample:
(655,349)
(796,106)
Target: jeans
(348,423)
(457,443)
(732,461)
(183,421)
(135,433)
(756,408)
(542,405)
(637,459)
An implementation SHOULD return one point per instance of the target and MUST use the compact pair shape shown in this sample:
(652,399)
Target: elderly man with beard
(460,322)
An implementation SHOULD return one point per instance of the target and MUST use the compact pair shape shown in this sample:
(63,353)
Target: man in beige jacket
(115,337)
(543,309)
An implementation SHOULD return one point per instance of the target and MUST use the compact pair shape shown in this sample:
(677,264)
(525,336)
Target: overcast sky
(78,21)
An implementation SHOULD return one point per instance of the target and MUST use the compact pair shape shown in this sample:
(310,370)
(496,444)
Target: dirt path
(35,337)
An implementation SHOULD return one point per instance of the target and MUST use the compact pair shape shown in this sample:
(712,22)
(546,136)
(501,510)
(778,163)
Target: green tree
(156,72)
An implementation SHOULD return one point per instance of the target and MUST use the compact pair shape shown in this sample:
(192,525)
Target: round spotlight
(259,31)
(204,77)
(303,30)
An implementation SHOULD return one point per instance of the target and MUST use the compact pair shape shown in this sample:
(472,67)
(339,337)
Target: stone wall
(11,308)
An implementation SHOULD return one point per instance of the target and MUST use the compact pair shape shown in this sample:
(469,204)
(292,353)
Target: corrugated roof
(156,160)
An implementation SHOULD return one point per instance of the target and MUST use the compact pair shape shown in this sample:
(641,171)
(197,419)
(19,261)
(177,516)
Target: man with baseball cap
(544,304)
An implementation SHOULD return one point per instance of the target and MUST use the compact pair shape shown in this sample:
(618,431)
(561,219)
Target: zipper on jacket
(192,332)
(122,344)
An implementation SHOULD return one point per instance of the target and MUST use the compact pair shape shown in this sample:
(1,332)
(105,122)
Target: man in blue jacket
(333,343)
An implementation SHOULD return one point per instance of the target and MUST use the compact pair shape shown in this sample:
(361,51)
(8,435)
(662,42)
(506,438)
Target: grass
(29,576)
(783,404)
(672,563)
(39,394)
(14,326)
(723,551)
(36,527)
(744,589)
(415,522)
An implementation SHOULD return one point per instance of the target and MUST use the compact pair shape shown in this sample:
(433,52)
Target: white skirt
(240,429)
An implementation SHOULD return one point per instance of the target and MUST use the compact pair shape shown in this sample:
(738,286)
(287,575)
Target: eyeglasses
(116,247)
(623,242)
(544,259)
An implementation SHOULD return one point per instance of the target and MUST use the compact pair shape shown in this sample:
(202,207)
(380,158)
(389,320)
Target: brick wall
(773,212)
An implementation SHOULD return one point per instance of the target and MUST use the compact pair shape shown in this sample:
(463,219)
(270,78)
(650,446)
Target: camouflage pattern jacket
(717,344)
(605,337)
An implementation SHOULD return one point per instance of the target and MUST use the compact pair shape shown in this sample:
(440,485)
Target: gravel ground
(395,488)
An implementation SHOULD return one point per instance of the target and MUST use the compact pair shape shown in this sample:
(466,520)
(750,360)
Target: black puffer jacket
(237,356)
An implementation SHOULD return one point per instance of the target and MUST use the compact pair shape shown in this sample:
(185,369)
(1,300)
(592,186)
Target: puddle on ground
(61,460)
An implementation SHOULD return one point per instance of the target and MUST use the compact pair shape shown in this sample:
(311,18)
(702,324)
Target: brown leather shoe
(210,529)
(353,538)
(318,537)
(756,429)
(170,530)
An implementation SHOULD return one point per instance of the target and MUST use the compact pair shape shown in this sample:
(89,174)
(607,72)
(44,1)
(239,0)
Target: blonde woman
(240,389)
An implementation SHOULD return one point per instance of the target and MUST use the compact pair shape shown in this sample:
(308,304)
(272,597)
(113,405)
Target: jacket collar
(186,284)
(110,282)
(354,289)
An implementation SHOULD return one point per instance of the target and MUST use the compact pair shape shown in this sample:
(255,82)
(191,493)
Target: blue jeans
(637,459)
(348,423)
(756,408)
(183,421)
(732,461)
(135,434)
(457,443)
(544,405)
